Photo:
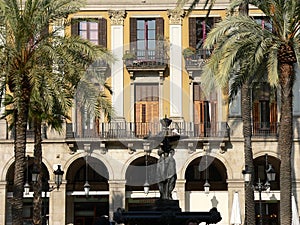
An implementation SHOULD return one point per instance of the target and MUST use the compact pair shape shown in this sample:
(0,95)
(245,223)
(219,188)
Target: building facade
(160,55)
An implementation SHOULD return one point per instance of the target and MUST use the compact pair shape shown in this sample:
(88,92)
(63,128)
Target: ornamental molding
(176,16)
(117,17)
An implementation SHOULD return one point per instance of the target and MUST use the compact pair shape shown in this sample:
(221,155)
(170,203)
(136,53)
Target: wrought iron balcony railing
(143,59)
(265,129)
(197,60)
(141,130)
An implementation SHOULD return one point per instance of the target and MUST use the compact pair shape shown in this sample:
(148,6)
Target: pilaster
(57,205)
(116,195)
(180,189)
(2,201)
(236,185)
(117,72)
(175,27)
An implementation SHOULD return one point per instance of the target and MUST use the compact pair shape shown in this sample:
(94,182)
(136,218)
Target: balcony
(265,129)
(195,61)
(127,130)
(145,60)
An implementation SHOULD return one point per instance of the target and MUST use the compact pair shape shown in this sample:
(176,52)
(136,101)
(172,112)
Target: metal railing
(141,130)
(198,59)
(146,58)
(265,128)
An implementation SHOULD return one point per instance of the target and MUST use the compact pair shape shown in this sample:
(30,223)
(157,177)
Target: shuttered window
(199,27)
(205,112)
(146,108)
(94,30)
(264,109)
(144,36)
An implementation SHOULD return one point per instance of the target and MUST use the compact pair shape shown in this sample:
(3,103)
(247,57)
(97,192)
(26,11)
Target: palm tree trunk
(247,132)
(37,187)
(21,116)
(285,141)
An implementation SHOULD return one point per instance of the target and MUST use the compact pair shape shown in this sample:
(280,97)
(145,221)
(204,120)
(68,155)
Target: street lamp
(58,176)
(147,151)
(260,187)
(86,186)
(206,184)
(26,186)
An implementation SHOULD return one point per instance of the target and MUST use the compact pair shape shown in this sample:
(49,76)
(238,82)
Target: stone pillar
(57,205)
(117,72)
(180,189)
(236,185)
(175,24)
(3,124)
(2,201)
(161,94)
(116,195)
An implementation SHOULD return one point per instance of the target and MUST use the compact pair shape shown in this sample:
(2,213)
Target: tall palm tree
(242,47)
(246,116)
(24,43)
(50,105)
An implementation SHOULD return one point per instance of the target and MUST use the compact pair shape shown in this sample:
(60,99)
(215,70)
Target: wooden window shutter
(133,33)
(192,32)
(159,28)
(102,28)
(197,92)
(74,27)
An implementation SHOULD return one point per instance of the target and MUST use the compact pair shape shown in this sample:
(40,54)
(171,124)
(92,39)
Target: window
(94,30)
(264,109)
(145,37)
(264,21)
(89,31)
(199,27)
(205,112)
(146,109)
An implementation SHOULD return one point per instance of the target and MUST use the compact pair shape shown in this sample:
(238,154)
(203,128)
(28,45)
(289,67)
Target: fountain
(166,211)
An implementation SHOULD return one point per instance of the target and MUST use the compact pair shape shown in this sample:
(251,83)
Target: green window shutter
(133,33)
(102,28)
(74,27)
(192,32)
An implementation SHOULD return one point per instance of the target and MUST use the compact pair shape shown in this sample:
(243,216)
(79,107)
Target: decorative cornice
(117,17)
(176,16)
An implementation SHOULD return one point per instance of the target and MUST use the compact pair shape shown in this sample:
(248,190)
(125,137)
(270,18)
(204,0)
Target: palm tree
(246,117)
(50,104)
(242,47)
(24,43)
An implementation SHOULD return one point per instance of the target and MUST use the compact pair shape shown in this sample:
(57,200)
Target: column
(236,185)
(161,94)
(180,189)
(116,195)
(57,205)
(175,23)
(3,201)
(3,124)
(117,72)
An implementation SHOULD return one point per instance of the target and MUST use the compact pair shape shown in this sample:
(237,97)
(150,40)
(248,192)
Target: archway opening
(85,209)
(136,176)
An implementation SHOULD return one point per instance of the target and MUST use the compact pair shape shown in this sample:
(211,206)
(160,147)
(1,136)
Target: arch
(221,158)
(28,174)
(100,157)
(11,161)
(137,173)
(264,152)
(131,159)
(260,169)
(206,168)
(6,167)
(89,169)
